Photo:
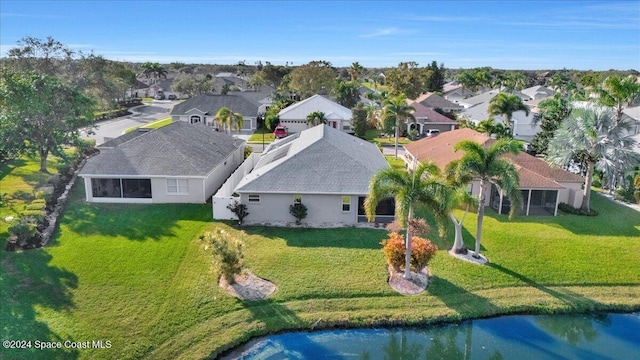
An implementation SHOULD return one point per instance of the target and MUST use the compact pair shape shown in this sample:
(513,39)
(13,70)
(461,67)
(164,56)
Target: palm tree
(507,104)
(316,118)
(355,71)
(397,110)
(224,117)
(618,93)
(593,136)
(461,198)
(237,121)
(488,166)
(409,188)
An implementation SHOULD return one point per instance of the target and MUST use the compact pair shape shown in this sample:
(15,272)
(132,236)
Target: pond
(591,336)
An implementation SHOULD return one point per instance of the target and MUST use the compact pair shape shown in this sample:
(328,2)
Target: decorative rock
(9,218)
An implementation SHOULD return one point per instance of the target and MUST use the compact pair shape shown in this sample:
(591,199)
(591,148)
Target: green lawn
(373,135)
(138,276)
(396,163)
(257,137)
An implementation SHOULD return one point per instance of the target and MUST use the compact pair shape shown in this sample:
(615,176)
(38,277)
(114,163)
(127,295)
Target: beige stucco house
(294,117)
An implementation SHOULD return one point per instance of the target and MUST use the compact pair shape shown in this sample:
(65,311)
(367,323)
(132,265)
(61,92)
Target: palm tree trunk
(396,140)
(457,225)
(586,200)
(407,258)
(480,218)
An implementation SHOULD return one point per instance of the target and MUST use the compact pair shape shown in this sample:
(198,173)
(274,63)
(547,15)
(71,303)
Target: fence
(223,197)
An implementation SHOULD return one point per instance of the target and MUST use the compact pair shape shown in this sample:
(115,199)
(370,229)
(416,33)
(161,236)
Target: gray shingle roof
(210,104)
(320,160)
(178,149)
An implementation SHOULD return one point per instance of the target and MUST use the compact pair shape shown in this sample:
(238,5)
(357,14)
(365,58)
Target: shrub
(247,151)
(564,207)
(422,251)
(416,226)
(239,209)
(228,255)
(394,250)
(299,211)
(23,195)
(24,230)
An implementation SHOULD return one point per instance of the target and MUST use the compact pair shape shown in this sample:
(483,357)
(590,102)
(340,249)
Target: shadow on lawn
(7,167)
(133,221)
(348,237)
(571,299)
(459,299)
(28,282)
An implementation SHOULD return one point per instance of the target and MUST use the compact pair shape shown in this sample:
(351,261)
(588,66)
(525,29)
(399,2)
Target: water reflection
(601,336)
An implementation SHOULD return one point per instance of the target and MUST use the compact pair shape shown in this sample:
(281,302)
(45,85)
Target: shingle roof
(433,101)
(534,173)
(210,104)
(300,110)
(429,115)
(178,149)
(316,160)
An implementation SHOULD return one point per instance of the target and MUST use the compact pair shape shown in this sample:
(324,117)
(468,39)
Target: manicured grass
(396,163)
(257,137)
(138,276)
(373,135)
(152,125)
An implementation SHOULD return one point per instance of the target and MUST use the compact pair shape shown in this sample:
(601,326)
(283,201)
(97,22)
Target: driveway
(142,114)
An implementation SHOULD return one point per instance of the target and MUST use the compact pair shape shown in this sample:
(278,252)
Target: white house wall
(321,209)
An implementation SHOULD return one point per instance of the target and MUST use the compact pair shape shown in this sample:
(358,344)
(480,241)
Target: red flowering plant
(394,250)
(422,251)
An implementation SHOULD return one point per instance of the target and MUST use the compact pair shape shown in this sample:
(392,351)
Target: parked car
(280,132)
(172,97)
(159,97)
(432,132)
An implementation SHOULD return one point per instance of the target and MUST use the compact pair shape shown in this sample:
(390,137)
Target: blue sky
(597,35)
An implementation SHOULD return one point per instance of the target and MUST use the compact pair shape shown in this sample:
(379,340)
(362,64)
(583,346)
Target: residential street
(141,115)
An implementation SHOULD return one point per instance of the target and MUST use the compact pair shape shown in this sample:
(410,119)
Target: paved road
(141,115)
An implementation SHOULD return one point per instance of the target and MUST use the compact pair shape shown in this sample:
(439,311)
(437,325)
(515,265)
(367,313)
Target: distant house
(323,168)
(538,92)
(177,163)
(294,116)
(428,119)
(202,109)
(543,187)
(435,101)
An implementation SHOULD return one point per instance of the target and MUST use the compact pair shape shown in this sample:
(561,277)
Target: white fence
(223,197)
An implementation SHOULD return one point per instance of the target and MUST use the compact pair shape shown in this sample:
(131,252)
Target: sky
(527,35)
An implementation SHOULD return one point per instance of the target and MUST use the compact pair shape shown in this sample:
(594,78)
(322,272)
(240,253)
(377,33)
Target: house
(294,116)
(202,109)
(323,168)
(486,96)
(177,163)
(543,187)
(435,101)
(428,119)
(538,92)
(524,126)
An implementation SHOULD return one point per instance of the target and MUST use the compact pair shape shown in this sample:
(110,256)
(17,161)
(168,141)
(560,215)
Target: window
(297,199)
(346,127)
(470,188)
(195,119)
(346,203)
(253,198)
(178,186)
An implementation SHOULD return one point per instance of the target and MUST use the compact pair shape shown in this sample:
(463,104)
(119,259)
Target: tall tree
(598,140)
(397,110)
(49,56)
(316,118)
(153,70)
(48,112)
(407,79)
(488,166)
(435,81)
(460,198)
(619,92)
(507,104)
(359,124)
(316,77)
(346,93)
(551,113)
(355,70)
(422,186)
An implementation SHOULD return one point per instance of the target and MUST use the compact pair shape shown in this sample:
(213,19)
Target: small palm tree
(316,118)
(409,188)
(355,71)
(237,121)
(488,166)
(397,110)
(461,199)
(224,117)
(618,93)
(507,104)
